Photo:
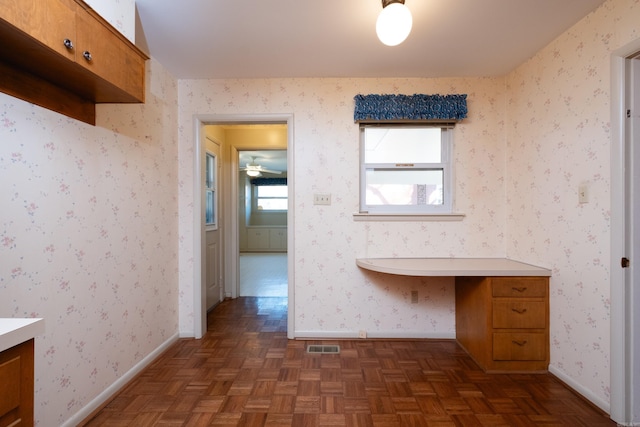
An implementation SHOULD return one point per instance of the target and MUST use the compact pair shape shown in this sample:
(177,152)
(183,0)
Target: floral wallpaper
(96,230)
(558,138)
(119,13)
(333,296)
(88,240)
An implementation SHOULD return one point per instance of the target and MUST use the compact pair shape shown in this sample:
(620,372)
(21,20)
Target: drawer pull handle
(519,310)
(521,289)
(519,343)
(87,55)
(68,44)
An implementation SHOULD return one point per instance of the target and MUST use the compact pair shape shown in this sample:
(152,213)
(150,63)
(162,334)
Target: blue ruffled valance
(269,181)
(381,108)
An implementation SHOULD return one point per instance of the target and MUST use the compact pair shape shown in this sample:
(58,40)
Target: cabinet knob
(520,289)
(87,55)
(519,310)
(519,343)
(68,44)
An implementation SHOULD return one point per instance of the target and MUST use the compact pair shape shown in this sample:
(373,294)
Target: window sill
(360,216)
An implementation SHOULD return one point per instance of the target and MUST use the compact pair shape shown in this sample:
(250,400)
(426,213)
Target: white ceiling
(197,39)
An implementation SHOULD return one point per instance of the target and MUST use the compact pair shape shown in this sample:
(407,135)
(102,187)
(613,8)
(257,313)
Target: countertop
(445,267)
(14,331)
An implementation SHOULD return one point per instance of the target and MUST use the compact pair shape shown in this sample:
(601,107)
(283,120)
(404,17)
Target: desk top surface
(14,331)
(443,267)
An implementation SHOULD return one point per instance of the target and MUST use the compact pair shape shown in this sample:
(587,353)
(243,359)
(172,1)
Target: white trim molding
(109,392)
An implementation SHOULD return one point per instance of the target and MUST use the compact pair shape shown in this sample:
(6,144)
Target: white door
(213,276)
(632,237)
(625,236)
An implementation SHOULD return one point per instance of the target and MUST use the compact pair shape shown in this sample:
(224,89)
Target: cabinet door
(108,56)
(51,21)
(278,239)
(16,385)
(258,238)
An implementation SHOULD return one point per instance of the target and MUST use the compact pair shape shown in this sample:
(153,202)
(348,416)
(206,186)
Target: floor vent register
(324,349)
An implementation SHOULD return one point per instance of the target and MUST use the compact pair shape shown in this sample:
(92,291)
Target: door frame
(624,362)
(229,215)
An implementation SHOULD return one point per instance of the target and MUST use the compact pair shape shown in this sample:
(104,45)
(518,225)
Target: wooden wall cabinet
(503,322)
(16,385)
(63,56)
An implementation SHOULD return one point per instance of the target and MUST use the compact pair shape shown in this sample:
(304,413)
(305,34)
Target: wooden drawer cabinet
(503,322)
(519,287)
(16,385)
(519,346)
(514,314)
(62,55)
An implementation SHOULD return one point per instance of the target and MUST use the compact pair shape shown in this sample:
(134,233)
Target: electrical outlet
(362,334)
(414,297)
(322,199)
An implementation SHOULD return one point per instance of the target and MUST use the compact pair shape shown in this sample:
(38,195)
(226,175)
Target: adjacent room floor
(245,372)
(263,274)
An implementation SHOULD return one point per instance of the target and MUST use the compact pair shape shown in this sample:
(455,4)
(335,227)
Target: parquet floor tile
(245,372)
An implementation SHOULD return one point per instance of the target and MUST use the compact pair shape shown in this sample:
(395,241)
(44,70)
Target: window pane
(272,204)
(209,174)
(209,211)
(404,187)
(272,191)
(402,145)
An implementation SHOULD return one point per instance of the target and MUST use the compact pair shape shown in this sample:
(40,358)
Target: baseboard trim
(354,335)
(81,416)
(584,392)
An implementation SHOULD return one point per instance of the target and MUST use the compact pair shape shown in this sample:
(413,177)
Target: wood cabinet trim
(39,73)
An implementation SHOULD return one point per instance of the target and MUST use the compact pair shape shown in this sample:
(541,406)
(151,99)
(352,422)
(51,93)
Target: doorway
(228,212)
(625,235)
(262,220)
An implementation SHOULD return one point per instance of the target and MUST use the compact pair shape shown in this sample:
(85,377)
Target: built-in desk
(16,370)
(502,307)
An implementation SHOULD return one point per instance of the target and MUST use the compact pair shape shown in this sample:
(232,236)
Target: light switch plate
(583,193)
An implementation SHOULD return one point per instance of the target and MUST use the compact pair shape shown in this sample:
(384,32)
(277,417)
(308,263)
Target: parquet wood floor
(245,372)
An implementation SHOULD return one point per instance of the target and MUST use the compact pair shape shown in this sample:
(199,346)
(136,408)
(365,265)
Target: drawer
(519,346)
(514,287)
(515,314)
(10,372)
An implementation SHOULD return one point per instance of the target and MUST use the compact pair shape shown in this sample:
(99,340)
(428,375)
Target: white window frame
(446,165)
(211,187)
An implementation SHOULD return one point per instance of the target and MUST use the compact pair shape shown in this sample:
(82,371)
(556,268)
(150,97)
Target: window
(271,197)
(210,190)
(405,169)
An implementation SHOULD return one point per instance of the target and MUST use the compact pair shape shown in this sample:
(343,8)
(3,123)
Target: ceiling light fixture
(394,22)
(253,172)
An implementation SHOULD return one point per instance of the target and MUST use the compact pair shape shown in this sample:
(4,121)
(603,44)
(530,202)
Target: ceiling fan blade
(270,171)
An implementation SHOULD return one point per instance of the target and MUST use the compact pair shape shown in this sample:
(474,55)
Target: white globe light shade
(394,24)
